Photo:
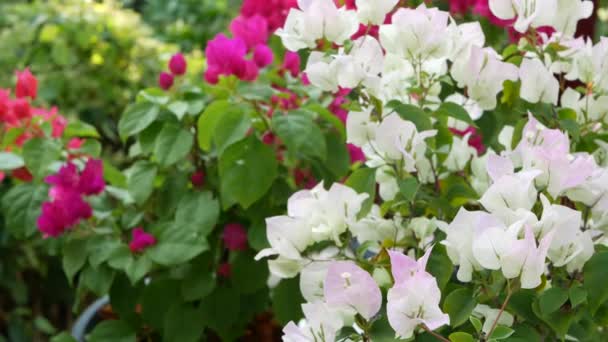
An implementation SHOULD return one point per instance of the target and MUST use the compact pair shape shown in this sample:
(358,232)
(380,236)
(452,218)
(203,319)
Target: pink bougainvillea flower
(75,143)
(348,285)
(177,64)
(403,267)
(252,30)
(475,139)
(356,154)
(226,56)
(235,237)
(27,84)
(198,179)
(21,109)
(63,213)
(262,55)
(251,71)
(165,80)
(274,11)
(141,240)
(292,63)
(91,179)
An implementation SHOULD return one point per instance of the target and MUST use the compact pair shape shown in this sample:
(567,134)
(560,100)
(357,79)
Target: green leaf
(596,278)
(221,308)
(408,112)
(409,188)
(287,300)
(501,332)
(153,95)
(156,300)
(200,209)
(459,304)
(199,282)
(10,161)
(178,108)
(172,144)
(572,127)
(97,279)
(461,337)
(208,121)
(301,134)
(39,154)
(231,127)
(552,299)
(577,295)
(80,129)
(141,180)
(124,297)
(247,170)
(476,322)
(455,111)
(182,323)
(256,236)
(249,275)
(112,330)
(339,163)
(440,265)
(63,337)
(363,180)
(179,243)
(136,118)
(21,208)
(327,115)
(74,257)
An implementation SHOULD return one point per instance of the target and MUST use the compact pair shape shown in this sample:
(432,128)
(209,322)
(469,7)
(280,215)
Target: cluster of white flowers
(409,63)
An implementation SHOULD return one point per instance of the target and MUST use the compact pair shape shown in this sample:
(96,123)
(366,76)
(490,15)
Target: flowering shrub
(479,211)
(410,183)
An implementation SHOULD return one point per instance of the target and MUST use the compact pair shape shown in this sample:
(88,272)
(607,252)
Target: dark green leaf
(209,120)
(440,266)
(21,206)
(172,144)
(408,188)
(231,127)
(247,170)
(112,330)
(552,299)
(501,332)
(39,154)
(287,300)
(363,180)
(301,134)
(249,275)
(459,304)
(136,118)
(183,324)
(74,257)
(455,111)
(408,112)
(596,279)
(141,180)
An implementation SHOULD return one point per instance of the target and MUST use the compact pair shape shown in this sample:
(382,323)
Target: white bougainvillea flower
(465,36)
(322,323)
(417,34)
(510,193)
(537,83)
(348,285)
(472,108)
(459,240)
(388,187)
(362,65)
(360,129)
(322,71)
(312,276)
(490,315)
(398,139)
(483,74)
(414,299)
(460,153)
(373,227)
(526,260)
(498,166)
(567,241)
(287,237)
(373,12)
(314,20)
(528,13)
(404,267)
(568,15)
(589,62)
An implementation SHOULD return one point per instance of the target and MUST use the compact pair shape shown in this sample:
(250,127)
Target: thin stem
(502,309)
(439,337)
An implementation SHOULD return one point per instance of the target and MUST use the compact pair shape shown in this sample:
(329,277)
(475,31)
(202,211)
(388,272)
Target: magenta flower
(27,84)
(21,109)
(224,270)
(356,154)
(262,55)
(91,179)
(235,237)
(63,213)
(292,63)
(253,30)
(165,80)
(225,56)
(198,179)
(177,64)
(274,11)
(348,285)
(251,71)
(475,139)
(141,240)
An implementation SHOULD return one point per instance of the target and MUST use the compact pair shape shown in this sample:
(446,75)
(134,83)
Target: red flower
(224,270)
(235,237)
(198,179)
(177,64)
(165,80)
(141,240)
(27,84)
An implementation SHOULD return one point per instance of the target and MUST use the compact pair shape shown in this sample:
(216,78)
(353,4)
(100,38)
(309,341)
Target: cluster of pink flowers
(242,55)
(273,11)
(141,240)
(69,186)
(177,67)
(18,113)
